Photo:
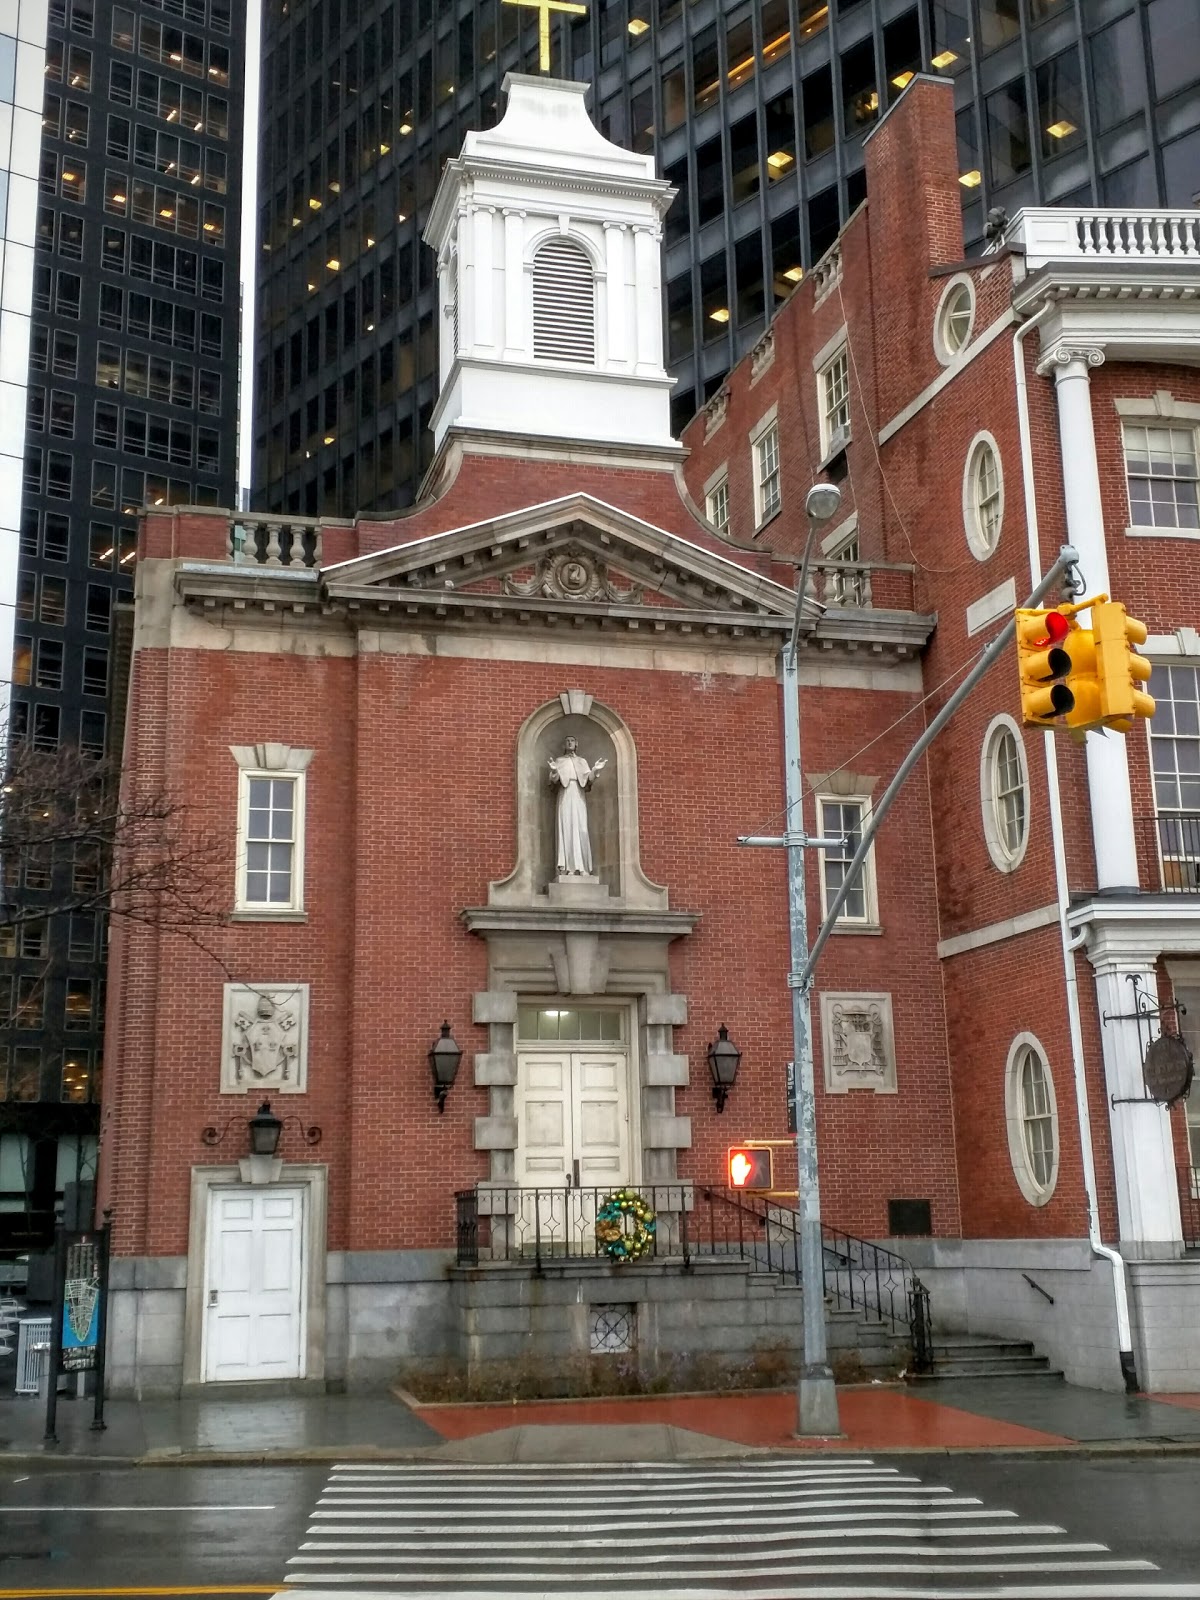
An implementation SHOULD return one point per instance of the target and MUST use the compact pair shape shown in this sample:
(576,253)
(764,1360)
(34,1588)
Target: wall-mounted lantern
(724,1057)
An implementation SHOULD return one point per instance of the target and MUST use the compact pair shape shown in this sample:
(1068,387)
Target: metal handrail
(859,1275)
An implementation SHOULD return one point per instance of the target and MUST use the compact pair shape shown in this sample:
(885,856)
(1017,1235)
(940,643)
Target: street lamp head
(822,501)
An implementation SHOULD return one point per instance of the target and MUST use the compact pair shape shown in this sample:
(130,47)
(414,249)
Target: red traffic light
(1057,627)
(749,1167)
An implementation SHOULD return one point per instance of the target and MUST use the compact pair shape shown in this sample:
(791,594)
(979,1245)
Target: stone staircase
(962,1356)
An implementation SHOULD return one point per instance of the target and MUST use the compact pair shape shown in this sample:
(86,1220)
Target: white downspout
(1070,943)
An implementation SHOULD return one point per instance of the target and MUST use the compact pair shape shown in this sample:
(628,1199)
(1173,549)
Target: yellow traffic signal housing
(1086,714)
(1044,665)
(1120,670)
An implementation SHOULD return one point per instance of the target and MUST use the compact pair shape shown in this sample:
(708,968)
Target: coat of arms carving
(858,1043)
(572,573)
(265,1038)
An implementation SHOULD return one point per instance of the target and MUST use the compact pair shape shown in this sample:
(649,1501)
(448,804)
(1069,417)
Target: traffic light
(1044,664)
(1083,682)
(1120,670)
(749,1167)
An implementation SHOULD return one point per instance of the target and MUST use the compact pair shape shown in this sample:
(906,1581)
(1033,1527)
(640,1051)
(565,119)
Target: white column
(482,335)
(1108,769)
(514,287)
(647,288)
(1143,1155)
(616,293)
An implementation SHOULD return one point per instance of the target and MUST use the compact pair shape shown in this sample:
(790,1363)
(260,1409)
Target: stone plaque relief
(264,1039)
(858,1041)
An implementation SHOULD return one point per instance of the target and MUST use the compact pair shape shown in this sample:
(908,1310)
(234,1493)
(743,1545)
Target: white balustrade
(1065,233)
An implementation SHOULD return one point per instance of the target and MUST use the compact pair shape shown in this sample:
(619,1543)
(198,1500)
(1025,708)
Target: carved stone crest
(572,573)
(858,1043)
(265,1038)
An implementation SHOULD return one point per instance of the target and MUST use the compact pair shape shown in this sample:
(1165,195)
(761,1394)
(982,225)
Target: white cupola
(548,241)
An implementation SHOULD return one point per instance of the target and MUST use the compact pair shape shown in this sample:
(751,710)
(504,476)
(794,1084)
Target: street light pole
(816,1399)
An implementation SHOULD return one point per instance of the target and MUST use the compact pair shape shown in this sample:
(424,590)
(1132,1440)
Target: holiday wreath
(612,1236)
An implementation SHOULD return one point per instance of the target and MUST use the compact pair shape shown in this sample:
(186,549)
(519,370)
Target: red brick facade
(411,793)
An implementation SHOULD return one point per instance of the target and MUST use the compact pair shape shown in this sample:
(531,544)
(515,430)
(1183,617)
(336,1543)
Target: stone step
(948,1374)
(981,1349)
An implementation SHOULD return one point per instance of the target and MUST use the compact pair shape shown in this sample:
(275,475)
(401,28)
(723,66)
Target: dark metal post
(105,1248)
(56,1332)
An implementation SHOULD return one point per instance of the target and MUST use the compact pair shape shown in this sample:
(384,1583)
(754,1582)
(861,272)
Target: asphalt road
(166,1532)
(1139,1505)
(204,1531)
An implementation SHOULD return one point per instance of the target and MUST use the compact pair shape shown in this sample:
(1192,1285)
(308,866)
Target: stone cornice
(1117,282)
(1134,930)
(613,920)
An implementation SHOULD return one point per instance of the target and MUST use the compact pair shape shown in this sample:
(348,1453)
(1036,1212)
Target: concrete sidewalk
(1009,1415)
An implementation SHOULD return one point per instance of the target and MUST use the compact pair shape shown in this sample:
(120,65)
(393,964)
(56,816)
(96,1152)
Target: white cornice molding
(1133,933)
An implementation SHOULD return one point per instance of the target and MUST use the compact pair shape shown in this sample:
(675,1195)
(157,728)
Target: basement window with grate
(564,303)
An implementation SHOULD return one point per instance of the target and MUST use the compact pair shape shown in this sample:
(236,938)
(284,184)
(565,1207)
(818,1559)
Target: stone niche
(612,806)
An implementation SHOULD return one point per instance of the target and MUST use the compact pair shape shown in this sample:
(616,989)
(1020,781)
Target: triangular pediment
(576,554)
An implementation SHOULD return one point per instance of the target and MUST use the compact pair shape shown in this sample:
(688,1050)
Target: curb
(320,1454)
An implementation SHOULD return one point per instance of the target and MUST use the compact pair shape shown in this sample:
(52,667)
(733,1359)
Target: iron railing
(537,1226)
(1175,837)
(859,1276)
(541,1226)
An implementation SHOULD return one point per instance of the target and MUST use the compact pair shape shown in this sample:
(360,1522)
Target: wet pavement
(1010,1414)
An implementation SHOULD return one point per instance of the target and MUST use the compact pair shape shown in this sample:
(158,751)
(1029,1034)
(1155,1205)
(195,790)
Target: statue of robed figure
(572,774)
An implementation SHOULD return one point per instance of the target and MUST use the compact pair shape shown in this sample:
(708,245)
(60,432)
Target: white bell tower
(548,241)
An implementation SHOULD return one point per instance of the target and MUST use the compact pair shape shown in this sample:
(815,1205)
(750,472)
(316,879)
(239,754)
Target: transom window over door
(564,303)
(552,1024)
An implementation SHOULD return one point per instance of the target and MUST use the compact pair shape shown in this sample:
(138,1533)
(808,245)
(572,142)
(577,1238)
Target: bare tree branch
(71,842)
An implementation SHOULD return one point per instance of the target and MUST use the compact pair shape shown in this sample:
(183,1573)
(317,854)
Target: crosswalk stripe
(858,1591)
(919,1529)
(759,1530)
(387,1495)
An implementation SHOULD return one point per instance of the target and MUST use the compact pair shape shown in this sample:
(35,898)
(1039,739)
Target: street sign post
(80,1302)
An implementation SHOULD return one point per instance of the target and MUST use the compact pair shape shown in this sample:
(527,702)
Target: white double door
(254,1285)
(573,1118)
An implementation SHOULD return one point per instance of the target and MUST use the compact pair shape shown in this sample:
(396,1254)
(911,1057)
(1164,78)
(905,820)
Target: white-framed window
(983,496)
(1162,471)
(953,320)
(845,817)
(768,490)
(270,839)
(1004,793)
(833,401)
(1032,1115)
(1175,762)
(270,830)
(564,303)
(716,504)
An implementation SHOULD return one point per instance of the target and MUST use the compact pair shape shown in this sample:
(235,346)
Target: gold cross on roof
(545,7)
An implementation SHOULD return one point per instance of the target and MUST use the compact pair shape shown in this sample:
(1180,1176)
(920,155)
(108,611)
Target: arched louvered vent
(564,303)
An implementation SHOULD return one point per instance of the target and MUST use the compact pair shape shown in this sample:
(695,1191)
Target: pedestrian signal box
(749,1167)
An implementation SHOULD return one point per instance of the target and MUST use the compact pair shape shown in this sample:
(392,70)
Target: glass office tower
(755,110)
(131,365)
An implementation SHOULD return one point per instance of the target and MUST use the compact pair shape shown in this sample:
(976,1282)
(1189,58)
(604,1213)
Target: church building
(470,784)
